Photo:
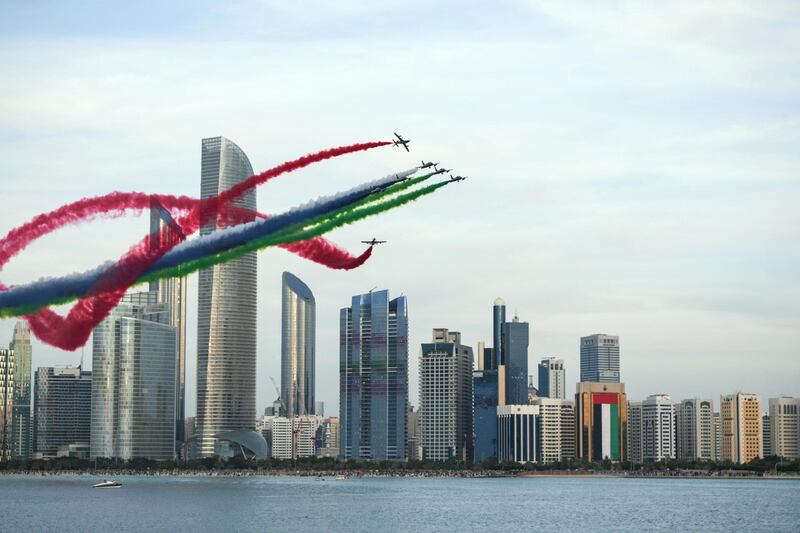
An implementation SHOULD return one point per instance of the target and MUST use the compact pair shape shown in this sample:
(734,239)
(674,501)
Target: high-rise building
(766,436)
(515,362)
(556,430)
(601,419)
(304,432)
(694,430)
(172,292)
(445,382)
(329,438)
(485,397)
(600,358)
(133,380)
(414,439)
(281,444)
(517,433)
(62,409)
(498,319)
(740,427)
(226,312)
(21,412)
(298,341)
(480,355)
(784,415)
(319,408)
(552,380)
(717,437)
(373,379)
(6,402)
(651,429)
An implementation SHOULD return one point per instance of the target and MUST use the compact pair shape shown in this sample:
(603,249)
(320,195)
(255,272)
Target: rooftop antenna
(80,366)
(372,289)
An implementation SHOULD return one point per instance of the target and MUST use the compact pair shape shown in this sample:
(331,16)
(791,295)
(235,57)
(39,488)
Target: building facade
(21,412)
(298,345)
(373,379)
(515,361)
(601,419)
(694,430)
(766,436)
(517,433)
(784,414)
(556,430)
(485,403)
(740,427)
(134,381)
(226,312)
(600,358)
(172,292)
(445,381)
(498,319)
(62,409)
(651,429)
(552,379)
(6,402)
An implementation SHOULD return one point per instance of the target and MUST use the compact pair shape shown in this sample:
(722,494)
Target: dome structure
(499,302)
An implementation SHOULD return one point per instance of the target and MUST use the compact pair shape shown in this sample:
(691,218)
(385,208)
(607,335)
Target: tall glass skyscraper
(62,409)
(498,319)
(21,412)
(600,358)
(133,381)
(485,390)
(172,292)
(373,379)
(515,360)
(298,341)
(226,314)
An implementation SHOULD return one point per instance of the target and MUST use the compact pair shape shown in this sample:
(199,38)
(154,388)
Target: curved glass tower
(298,333)
(226,321)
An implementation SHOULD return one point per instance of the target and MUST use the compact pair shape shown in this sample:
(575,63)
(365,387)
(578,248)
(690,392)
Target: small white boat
(341,478)
(106,484)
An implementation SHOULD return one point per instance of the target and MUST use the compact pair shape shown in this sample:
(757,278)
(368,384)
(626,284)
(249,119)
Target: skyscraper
(766,436)
(172,291)
(226,313)
(21,412)
(6,402)
(515,360)
(485,402)
(498,319)
(298,340)
(373,379)
(784,415)
(601,419)
(133,381)
(445,384)
(694,431)
(740,427)
(600,358)
(62,409)
(651,429)
(552,380)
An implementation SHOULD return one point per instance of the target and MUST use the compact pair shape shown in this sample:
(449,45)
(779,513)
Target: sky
(633,167)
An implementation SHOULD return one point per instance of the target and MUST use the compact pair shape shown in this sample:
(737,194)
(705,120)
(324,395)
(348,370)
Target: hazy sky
(634,169)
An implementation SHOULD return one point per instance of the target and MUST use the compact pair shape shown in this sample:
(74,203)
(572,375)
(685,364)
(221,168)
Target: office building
(21,411)
(600,358)
(373,384)
(414,439)
(784,415)
(319,408)
(61,409)
(329,438)
(480,355)
(281,444)
(515,362)
(298,342)
(226,312)
(694,430)
(445,381)
(498,319)
(651,429)
(552,379)
(172,292)
(6,402)
(717,437)
(740,427)
(133,381)
(601,419)
(517,433)
(556,430)
(766,436)
(485,396)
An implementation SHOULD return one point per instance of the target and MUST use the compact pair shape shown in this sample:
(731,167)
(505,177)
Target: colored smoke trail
(72,331)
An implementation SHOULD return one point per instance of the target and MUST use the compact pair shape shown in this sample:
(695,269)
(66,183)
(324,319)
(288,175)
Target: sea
(196,504)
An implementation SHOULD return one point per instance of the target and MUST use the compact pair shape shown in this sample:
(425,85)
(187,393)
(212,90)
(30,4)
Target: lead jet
(401,142)
(373,242)
(457,178)
(427,165)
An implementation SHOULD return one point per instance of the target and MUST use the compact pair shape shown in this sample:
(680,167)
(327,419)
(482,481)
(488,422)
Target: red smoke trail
(72,331)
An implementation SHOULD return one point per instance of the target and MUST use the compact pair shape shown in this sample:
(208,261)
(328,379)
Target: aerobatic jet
(427,165)
(373,242)
(443,170)
(401,142)
(457,178)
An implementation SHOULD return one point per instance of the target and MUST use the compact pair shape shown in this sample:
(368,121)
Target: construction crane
(278,392)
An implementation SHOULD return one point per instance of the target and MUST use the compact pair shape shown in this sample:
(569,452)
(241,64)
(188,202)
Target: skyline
(647,195)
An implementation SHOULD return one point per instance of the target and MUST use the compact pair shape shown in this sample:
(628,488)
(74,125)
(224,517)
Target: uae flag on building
(605,427)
